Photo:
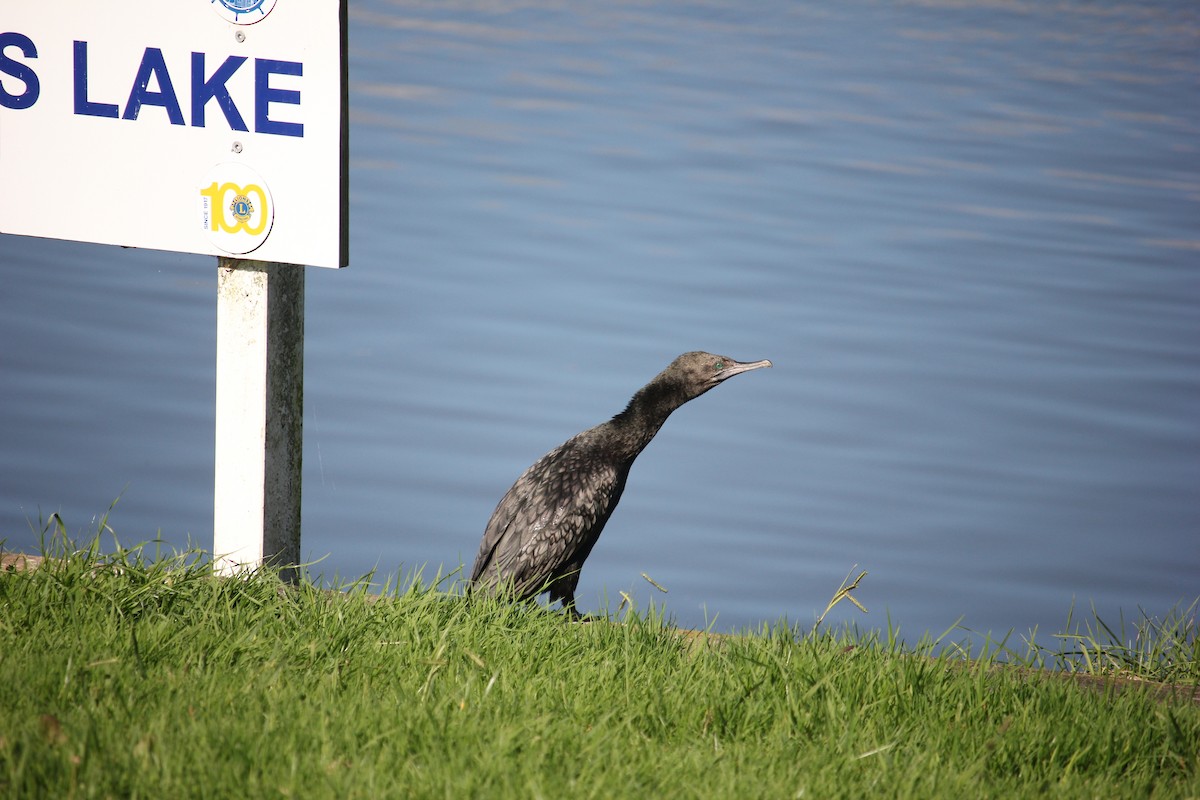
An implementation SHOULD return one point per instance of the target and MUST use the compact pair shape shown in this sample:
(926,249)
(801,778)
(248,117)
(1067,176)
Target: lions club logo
(242,208)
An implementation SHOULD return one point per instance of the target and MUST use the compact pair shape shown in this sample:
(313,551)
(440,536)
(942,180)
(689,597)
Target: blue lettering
(214,88)
(153,71)
(264,95)
(18,70)
(82,104)
(154,65)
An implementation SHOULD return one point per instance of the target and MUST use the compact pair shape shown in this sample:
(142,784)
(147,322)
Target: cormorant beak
(736,367)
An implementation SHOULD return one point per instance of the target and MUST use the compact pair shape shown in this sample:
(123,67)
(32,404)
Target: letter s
(19,70)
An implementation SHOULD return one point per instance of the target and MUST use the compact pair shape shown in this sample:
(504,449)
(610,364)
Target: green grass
(132,675)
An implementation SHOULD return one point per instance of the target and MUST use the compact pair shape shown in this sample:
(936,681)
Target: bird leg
(567,598)
(574,615)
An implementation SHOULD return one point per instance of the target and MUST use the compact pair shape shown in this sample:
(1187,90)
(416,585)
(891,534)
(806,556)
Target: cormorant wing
(550,519)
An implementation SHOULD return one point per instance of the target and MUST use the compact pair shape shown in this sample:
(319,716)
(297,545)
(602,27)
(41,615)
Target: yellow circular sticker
(236,209)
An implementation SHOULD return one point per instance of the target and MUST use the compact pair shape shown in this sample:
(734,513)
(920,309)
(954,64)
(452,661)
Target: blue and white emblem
(243,12)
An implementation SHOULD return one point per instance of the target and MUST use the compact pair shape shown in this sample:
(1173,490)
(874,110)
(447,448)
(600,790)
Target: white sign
(202,126)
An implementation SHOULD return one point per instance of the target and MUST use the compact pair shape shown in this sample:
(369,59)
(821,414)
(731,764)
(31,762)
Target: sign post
(217,127)
(260,413)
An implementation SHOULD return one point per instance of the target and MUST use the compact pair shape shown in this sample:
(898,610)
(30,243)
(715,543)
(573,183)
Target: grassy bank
(126,676)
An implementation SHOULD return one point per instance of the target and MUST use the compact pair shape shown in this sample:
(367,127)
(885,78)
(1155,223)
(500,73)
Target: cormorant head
(684,379)
(700,372)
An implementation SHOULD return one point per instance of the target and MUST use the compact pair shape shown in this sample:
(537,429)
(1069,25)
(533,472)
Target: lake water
(968,236)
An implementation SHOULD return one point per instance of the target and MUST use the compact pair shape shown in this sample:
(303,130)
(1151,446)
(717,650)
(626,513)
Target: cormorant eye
(719,365)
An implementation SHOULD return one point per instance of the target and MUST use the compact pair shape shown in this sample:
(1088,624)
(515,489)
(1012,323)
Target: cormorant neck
(647,411)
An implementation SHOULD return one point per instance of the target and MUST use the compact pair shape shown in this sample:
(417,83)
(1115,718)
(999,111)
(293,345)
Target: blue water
(968,237)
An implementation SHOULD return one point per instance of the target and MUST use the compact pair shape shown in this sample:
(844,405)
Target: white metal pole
(259,415)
